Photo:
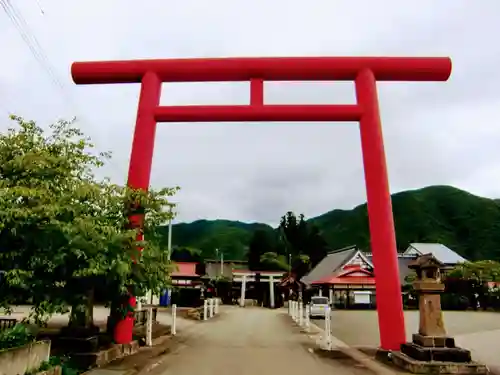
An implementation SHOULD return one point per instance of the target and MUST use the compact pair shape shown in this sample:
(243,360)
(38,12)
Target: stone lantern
(431,349)
(429,287)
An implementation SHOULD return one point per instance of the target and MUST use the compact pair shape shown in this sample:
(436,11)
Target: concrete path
(249,341)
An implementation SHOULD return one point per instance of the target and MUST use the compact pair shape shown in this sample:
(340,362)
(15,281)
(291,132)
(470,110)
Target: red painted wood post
(381,222)
(139,172)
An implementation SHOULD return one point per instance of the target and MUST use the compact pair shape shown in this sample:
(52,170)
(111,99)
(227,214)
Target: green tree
(302,242)
(63,232)
(317,248)
(186,254)
(480,271)
(293,231)
(260,244)
(272,261)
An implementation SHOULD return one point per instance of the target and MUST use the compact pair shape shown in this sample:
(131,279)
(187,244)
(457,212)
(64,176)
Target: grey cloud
(435,133)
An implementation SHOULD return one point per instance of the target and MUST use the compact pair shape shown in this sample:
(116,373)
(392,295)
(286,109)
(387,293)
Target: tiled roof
(336,259)
(329,264)
(354,274)
(403,262)
(442,253)
(358,280)
(185,269)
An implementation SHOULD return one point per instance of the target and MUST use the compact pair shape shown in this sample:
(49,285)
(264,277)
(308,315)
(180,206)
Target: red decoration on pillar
(365,71)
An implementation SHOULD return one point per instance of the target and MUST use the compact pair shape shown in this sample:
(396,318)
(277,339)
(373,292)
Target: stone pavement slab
(249,341)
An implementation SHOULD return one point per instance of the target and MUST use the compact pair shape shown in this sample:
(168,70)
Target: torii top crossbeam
(268,69)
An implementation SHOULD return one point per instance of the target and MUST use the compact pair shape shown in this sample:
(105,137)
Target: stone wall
(27,358)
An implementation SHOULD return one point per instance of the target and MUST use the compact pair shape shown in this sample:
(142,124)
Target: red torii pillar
(364,71)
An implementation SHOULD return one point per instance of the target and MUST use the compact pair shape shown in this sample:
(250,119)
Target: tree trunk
(81,320)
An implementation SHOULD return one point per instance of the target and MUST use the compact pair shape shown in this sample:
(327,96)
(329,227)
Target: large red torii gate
(364,71)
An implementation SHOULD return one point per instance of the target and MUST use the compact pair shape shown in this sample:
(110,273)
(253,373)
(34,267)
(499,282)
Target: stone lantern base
(436,355)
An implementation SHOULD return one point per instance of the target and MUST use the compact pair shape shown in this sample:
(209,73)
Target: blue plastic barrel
(165,298)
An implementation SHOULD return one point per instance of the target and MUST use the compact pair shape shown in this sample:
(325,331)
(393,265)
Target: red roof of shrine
(358,280)
(185,269)
(361,276)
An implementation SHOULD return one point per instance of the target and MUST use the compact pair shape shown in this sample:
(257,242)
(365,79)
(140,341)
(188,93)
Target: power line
(40,7)
(40,56)
(30,40)
(37,51)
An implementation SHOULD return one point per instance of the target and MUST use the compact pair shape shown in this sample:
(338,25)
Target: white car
(318,307)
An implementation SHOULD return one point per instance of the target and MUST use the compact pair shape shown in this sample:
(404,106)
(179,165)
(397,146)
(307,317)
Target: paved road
(476,331)
(249,341)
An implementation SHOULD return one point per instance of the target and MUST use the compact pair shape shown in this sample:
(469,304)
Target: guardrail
(210,308)
(300,314)
(141,316)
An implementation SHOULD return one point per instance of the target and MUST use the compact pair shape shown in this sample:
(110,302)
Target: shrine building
(346,276)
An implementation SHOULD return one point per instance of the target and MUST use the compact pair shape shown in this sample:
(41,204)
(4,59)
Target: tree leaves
(60,224)
(479,271)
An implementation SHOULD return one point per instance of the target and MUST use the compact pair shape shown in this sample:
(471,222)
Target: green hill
(466,223)
(230,237)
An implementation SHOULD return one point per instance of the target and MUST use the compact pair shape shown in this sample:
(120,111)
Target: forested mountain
(466,223)
(230,237)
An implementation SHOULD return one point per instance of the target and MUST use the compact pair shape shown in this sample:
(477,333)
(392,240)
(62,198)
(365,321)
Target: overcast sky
(435,133)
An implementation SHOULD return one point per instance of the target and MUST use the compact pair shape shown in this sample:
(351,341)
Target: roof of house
(354,274)
(358,280)
(441,252)
(403,262)
(329,264)
(185,269)
(338,258)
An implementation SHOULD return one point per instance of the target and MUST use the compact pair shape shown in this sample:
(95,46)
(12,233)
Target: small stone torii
(245,276)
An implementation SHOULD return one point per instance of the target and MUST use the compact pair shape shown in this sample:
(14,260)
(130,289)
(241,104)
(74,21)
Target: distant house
(335,262)
(185,275)
(403,261)
(347,274)
(442,253)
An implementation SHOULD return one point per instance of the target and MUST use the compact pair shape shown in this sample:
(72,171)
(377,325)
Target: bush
(454,301)
(67,367)
(15,337)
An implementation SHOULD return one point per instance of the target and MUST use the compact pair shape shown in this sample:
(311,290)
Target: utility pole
(221,263)
(169,243)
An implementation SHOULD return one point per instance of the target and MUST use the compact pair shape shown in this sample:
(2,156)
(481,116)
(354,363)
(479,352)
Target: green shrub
(67,367)
(15,337)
